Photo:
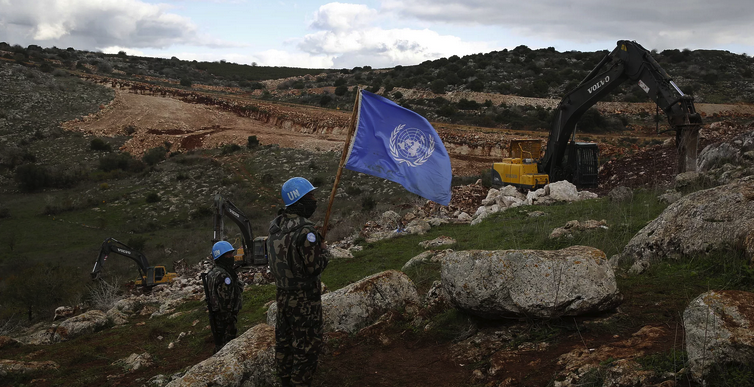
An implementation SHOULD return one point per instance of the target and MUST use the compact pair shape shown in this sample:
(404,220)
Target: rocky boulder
(718,330)
(533,283)
(85,323)
(14,367)
(247,360)
(362,303)
(715,218)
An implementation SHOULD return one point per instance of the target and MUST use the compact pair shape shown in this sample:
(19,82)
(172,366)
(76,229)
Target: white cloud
(343,17)
(347,34)
(692,23)
(96,24)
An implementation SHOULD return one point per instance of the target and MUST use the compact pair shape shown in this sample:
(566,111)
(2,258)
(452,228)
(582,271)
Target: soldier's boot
(286,382)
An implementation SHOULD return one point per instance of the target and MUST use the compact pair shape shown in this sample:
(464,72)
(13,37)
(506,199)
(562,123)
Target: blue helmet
(221,248)
(294,189)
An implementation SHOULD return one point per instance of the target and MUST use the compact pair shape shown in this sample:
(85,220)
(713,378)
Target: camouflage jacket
(296,256)
(225,290)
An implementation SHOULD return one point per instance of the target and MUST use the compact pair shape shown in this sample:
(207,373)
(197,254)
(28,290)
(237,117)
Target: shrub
(326,99)
(137,243)
(438,86)
(123,161)
(203,211)
(99,144)
(31,177)
(154,155)
(153,197)
(252,142)
(186,82)
(368,204)
(104,67)
(4,212)
(353,191)
(341,90)
(230,148)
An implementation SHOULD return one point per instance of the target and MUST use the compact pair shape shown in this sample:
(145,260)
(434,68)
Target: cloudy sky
(377,33)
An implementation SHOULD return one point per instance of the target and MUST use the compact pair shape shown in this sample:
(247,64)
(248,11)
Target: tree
(438,86)
(341,90)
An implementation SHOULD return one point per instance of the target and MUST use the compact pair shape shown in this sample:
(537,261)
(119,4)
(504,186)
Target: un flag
(399,145)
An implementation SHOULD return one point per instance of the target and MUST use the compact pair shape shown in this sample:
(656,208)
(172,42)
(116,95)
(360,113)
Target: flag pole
(346,146)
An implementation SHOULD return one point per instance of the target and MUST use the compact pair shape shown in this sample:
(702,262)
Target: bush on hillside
(99,144)
(230,148)
(252,142)
(153,197)
(33,177)
(155,155)
(123,161)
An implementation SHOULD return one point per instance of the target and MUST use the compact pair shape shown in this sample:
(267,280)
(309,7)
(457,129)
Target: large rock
(716,155)
(719,330)
(533,283)
(246,360)
(359,304)
(715,218)
(88,322)
(14,367)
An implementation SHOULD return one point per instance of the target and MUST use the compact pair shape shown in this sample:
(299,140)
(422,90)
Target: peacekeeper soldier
(297,258)
(224,299)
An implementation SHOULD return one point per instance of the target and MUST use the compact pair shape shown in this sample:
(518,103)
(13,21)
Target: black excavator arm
(628,61)
(111,245)
(224,207)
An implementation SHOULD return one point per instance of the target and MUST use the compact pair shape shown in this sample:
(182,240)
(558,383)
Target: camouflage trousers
(298,336)
(225,329)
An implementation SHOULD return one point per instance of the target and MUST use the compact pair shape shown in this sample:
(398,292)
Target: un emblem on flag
(411,145)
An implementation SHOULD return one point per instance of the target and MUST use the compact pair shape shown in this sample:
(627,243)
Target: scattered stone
(621,194)
(135,362)
(437,242)
(14,367)
(430,256)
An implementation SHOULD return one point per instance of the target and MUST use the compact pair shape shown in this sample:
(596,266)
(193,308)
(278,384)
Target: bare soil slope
(153,120)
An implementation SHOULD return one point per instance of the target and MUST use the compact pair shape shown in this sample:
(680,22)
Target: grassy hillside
(657,297)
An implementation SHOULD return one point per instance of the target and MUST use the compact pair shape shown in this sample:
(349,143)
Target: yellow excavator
(520,169)
(578,163)
(254,250)
(149,275)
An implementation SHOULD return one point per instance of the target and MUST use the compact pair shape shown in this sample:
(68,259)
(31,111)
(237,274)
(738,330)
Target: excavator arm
(628,61)
(224,207)
(111,245)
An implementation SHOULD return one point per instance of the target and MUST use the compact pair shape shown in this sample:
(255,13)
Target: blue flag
(399,145)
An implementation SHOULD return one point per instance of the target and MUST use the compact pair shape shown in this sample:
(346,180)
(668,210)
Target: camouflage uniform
(296,261)
(225,301)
